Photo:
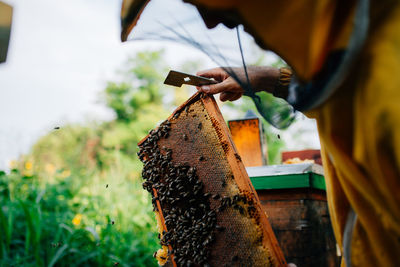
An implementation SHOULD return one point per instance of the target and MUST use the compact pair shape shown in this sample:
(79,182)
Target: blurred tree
(140,88)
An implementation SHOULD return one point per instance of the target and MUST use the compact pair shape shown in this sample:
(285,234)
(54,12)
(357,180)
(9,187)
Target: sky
(61,55)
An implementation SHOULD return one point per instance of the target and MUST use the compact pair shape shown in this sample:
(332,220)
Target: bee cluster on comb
(205,217)
(186,209)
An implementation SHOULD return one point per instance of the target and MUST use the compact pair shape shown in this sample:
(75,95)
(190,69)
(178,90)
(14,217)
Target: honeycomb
(209,212)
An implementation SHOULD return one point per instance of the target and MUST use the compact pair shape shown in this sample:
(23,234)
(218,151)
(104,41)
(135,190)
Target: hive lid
(303,175)
(285,169)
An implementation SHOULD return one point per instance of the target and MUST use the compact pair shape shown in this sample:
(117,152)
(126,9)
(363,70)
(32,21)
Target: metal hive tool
(206,205)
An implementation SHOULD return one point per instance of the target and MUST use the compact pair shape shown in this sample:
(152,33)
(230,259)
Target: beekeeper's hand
(262,78)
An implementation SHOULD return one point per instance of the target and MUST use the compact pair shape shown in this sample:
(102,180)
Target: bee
(176,115)
(57,128)
(279,137)
(112,222)
(238,157)
(106,185)
(219,228)
(223,183)
(216,196)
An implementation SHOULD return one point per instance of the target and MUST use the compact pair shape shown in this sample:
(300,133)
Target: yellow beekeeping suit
(359,129)
(359,125)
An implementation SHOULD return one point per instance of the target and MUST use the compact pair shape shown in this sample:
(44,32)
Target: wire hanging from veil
(180,22)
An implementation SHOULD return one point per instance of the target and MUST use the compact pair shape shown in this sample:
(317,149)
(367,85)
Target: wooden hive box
(248,136)
(294,198)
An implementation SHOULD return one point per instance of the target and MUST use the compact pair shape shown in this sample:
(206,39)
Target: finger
(217,73)
(236,96)
(212,71)
(225,96)
(215,88)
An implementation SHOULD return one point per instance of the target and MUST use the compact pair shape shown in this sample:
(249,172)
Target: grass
(75,218)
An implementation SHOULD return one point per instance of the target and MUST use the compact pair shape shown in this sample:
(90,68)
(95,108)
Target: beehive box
(295,199)
(208,211)
(247,134)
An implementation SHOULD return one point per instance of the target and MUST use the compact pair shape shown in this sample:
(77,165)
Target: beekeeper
(344,59)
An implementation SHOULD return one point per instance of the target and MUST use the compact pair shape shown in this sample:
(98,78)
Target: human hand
(228,88)
(262,78)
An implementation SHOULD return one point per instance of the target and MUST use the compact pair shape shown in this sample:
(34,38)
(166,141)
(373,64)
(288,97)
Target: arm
(262,78)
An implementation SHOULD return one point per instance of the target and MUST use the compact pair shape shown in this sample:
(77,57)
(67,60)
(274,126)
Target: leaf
(59,254)
(39,196)
(93,232)
(66,227)
(3,238)
(33,219)
(87,257)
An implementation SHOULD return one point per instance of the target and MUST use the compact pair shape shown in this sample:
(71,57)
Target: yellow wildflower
(77,219)
(28,165)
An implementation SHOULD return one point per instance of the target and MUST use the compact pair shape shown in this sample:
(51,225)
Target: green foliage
(77,199)
(141,89)
(37,219)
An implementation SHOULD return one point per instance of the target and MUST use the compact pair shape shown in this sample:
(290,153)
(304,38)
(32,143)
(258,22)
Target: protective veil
(227,45)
